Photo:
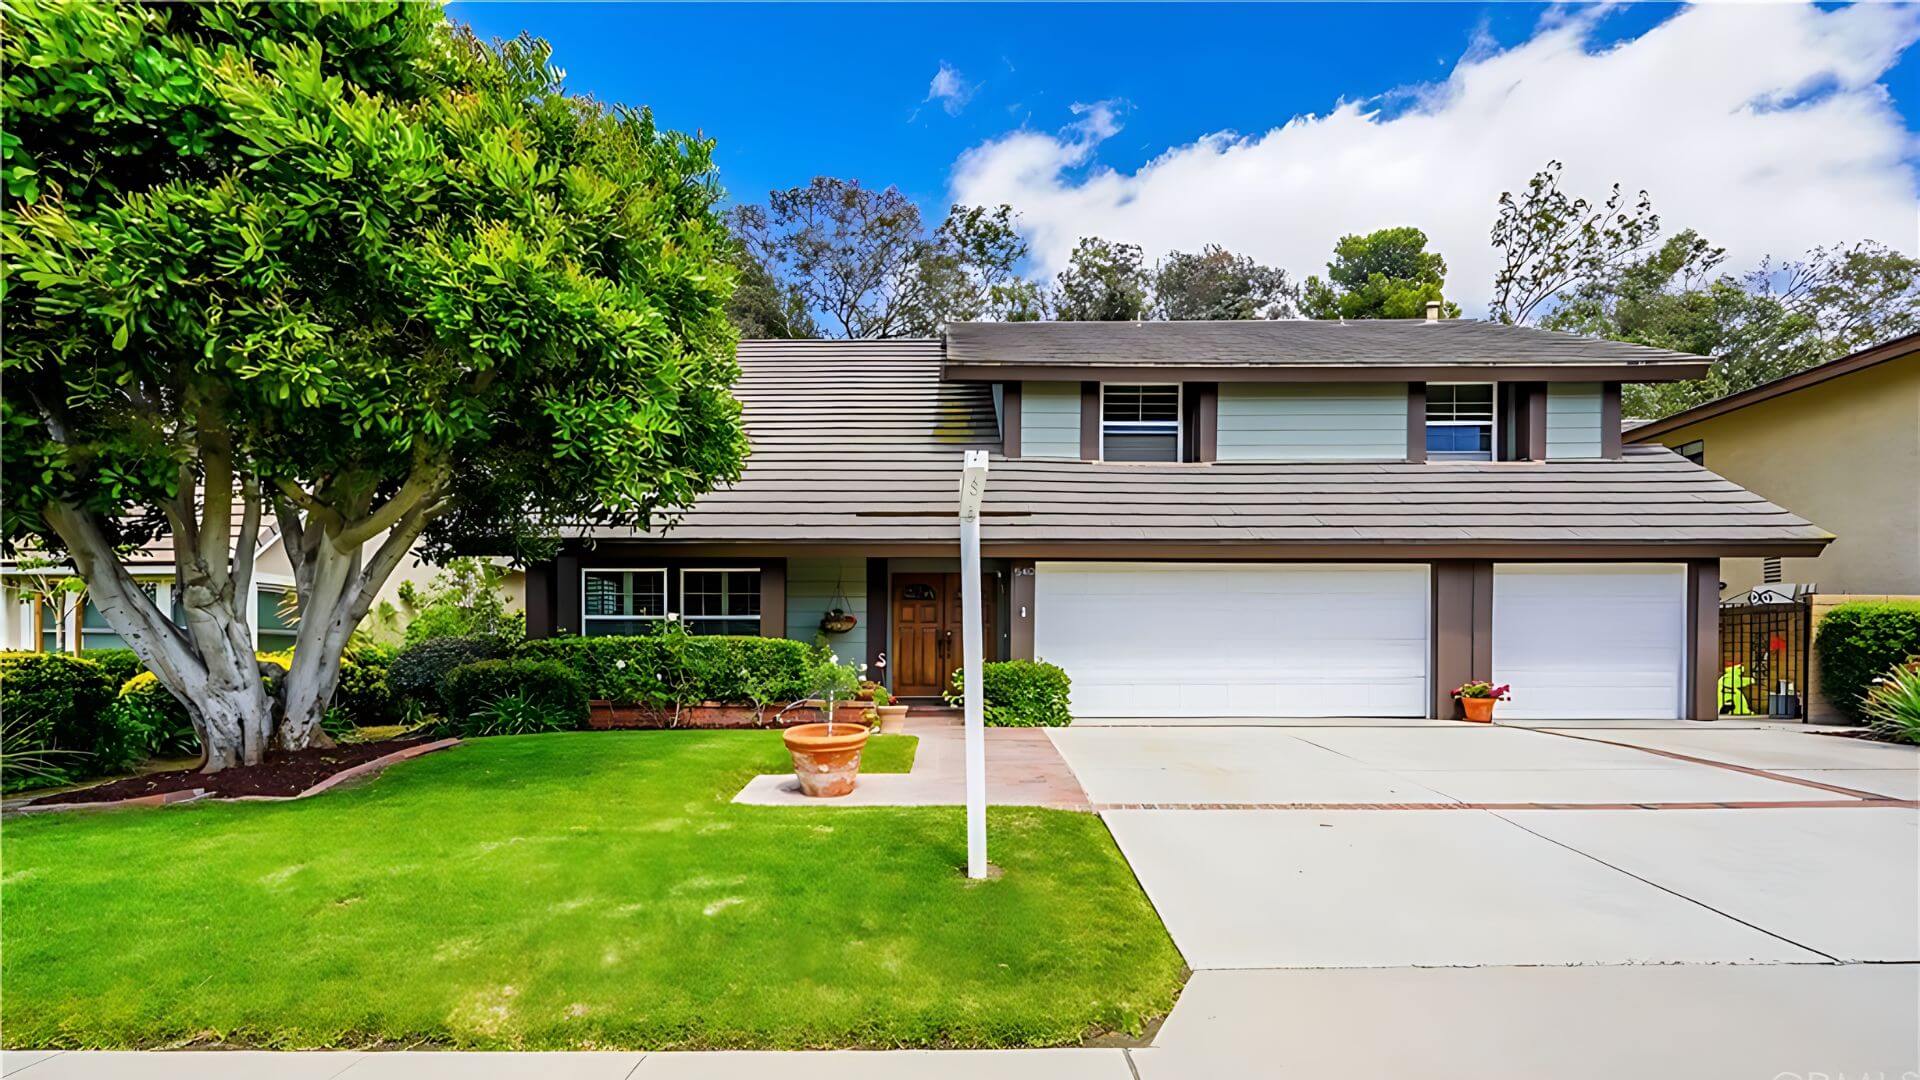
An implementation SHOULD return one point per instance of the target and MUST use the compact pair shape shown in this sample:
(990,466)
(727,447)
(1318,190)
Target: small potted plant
(1477,698)
(893,718)
(826,756)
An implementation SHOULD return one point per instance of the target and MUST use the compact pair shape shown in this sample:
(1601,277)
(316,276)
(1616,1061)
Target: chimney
(1433,311)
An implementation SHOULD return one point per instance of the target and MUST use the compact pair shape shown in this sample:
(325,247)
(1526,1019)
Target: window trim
(1492,422)
(1179,420)
(685,615)
(665,601)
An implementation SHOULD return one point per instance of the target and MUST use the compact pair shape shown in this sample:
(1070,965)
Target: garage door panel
(1174,640)
(1591,641)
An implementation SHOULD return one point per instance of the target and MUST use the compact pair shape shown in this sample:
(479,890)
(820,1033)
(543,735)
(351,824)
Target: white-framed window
(1140,421)
(725,601)
(622,601)
(1695,451)
(1460,422)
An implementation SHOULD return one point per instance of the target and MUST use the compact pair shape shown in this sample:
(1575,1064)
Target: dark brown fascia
(1629,373)
(1221,551)
(1896,349)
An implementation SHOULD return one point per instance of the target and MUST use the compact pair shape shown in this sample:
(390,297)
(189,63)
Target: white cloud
(1764,127)
(950,89)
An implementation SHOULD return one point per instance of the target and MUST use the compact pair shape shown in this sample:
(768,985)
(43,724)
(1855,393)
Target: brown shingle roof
(1289,342)
(860,443)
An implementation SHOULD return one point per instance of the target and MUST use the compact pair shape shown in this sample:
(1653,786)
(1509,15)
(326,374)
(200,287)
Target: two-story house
(1213,519)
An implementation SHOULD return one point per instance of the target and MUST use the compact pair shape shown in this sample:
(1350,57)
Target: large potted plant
(1477,698)
(826,756)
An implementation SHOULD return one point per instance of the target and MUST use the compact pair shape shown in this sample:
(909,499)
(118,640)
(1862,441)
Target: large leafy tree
(865,262)
(1214,283)
(343,266)
(1386,274)
(1550,241)
(1103,282)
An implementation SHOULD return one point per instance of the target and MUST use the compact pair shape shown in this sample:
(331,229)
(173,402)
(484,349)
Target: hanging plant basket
(838,622)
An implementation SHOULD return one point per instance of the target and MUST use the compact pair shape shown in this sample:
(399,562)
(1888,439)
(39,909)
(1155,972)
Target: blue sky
(793,91)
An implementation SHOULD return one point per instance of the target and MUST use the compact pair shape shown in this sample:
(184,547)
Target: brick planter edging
(175,798)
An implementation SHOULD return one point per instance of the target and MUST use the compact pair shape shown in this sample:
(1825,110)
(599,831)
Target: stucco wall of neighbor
(813,586)
(1313,422)
(1844,454)
(1573,420)
(1050,419)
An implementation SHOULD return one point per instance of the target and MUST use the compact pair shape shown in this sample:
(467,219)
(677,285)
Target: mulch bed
(284,773)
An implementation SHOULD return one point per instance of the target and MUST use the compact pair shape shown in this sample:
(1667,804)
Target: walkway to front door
(926,631)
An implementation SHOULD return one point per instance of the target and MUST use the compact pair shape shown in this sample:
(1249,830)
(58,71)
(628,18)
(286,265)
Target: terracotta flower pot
(1478,709)
(826,764)
(893,719)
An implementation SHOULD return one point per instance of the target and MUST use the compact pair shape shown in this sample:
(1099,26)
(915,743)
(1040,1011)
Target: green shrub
(674,668)
(418,673)
(1020,693)
(118,664)
(143,701)
(1857,643)
(365,696)
(1893,706)
(513,697)
(58,726)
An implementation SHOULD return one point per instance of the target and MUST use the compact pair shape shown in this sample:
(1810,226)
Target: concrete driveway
(1618,900)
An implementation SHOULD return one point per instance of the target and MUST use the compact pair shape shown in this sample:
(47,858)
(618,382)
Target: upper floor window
(622,601)
(720,601)
(1460,421)
(1695,451)
(1140,422)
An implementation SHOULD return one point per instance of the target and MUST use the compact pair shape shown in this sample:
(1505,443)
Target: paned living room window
(720,601)
(622,601)
(1140,422)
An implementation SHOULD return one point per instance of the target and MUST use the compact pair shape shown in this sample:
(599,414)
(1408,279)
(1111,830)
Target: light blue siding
(813,586)
(1573,420)
(1050,419)
(1313,422)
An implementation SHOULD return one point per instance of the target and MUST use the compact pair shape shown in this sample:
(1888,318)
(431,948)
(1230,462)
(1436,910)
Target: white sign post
(973,486)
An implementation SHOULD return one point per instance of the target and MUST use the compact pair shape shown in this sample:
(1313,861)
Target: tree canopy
(1386,274)
(1214,283)
(1103,282)
(345,267)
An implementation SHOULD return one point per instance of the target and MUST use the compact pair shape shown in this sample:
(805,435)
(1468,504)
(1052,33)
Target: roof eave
(1648,372)
(1786,384)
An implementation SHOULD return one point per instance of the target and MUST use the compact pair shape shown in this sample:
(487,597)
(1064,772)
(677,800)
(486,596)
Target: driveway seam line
(1131,1067)
(1665,889)
(31,1064)
(639,1061)
(1746,769)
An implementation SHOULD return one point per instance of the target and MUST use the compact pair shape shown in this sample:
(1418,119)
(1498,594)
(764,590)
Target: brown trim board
(1010,420)
(1610,420)
(1703,634)
(1277,373)
(1020,603)
(1089,420)
(1417,423)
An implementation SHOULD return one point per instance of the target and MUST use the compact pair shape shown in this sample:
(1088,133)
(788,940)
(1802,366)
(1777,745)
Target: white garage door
(1236,640)
(1590,642)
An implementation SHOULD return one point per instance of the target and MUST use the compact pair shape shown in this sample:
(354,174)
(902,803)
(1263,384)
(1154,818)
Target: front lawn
(594,889)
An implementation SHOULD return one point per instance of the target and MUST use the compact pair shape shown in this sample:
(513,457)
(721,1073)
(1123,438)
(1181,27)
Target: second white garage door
(1238,640)
(1603,642)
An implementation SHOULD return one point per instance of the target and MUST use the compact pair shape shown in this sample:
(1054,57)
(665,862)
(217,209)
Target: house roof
(859,443)
(1899,347)
(1363,348)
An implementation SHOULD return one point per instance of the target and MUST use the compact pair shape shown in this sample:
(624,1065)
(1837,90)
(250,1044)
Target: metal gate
(1766,638)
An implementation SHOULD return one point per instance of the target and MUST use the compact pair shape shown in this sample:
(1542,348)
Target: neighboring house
(1213,519)
(1839,444)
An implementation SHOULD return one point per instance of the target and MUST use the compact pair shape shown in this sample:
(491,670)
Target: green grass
(582,890)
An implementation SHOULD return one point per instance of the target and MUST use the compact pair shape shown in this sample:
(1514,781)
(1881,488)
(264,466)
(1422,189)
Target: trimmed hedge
(418,672)
(144,701)
(119,664)
(501,697)
(365,695)
(672,668)
(1857,643)
(1020,693)
(58,726)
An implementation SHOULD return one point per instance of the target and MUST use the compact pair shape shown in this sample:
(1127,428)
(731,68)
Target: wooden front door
(926,630)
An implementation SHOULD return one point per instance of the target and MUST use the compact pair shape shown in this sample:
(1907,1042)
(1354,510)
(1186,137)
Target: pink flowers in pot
(1482,689)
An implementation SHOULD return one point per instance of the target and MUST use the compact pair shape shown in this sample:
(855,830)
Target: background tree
(762,307)
(864,261)
(1386,274)
(345,265)
(1550,241)
(1215,283)
(1103,282)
